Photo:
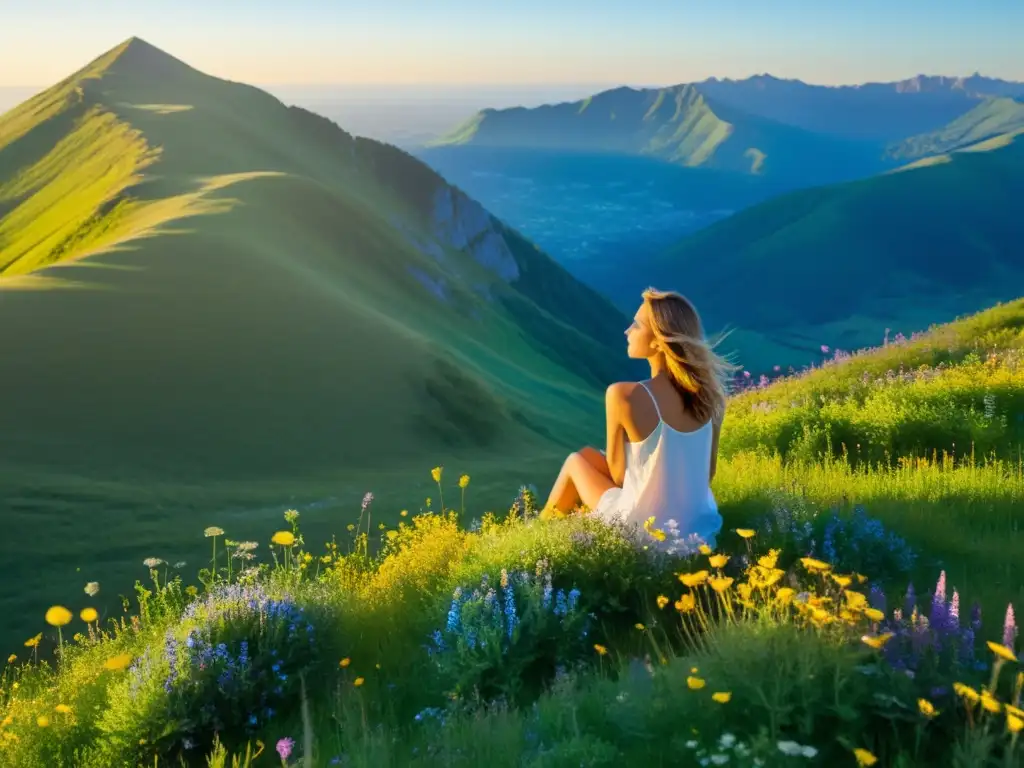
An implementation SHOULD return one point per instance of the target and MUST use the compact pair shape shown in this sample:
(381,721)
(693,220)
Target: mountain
(680,125)
(874,112)
(992,117)
(200,283)
(837,265)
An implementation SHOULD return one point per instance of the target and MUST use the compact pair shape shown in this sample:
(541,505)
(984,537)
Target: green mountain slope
(838,265)
(198,282)
(679,125)
(992,117)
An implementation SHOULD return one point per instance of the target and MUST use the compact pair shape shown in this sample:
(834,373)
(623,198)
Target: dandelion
(358,682)
(722,697)
(990,703)
(43,721)
(873,614)
(746,533)
(33,642)
(1001,651)
(344,662)
(463,481)
(640,626)
(966,693)
(718,561)
(720,584)
(876,641)
(926,708)
(285,747)
(89,615)
(62,709)
(12,658)
(842,581)
(694,683)
(704,549)
(813,565)
(283,538)
(601,650)
(118,662)
(404,513)
(92,588)
(694,579)
(864,758)
(662,601)
(686,603)
(436,474)
(1014,724)
(58,616)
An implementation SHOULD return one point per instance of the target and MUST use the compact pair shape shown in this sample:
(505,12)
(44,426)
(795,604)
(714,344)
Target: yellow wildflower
(856,600)
(640,626)
(704,549)
(694,579)
(876,641)
(344,662)
(463,481)
(58,616)
(966,692)
(12,658)
(358,682)
(1015,711)
(842,581)
(89,615)
(404,513)
(814,565)
(768,561)
(191,590)
(686,603)
(1001,651)
(1014,724)
(990,703)
(718,561)
(874,614)
(694,683)
(63,709)
(926,708)
(43,721)
(283,538)
(745,591)
(436,474)
(720,583)
(662,601)
(722,697)
(115,663)
(745,533)
(785,594)
(864,758)
(601,650)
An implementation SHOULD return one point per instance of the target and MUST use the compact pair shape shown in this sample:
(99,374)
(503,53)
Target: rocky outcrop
(463,224)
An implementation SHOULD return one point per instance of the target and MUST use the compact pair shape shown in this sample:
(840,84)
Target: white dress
(667,478)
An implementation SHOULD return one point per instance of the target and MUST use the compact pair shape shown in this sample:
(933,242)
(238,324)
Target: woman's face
(639,336)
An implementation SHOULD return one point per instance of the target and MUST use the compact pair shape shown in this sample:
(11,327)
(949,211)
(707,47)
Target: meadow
(857,609)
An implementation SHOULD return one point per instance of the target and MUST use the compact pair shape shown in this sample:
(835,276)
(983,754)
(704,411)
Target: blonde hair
(697,371)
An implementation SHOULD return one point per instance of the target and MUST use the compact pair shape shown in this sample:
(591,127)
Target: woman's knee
(590,454)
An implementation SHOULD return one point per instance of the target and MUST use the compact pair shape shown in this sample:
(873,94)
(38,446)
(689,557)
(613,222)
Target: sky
(486,42)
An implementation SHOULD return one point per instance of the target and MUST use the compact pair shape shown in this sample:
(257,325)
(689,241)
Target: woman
(662,434)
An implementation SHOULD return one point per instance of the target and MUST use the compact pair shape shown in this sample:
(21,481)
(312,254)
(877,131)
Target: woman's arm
(615,450)
(716,431)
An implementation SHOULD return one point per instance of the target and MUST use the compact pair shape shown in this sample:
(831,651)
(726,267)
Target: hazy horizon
(456,43)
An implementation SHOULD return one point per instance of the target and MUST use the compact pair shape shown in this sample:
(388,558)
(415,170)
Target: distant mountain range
(198,281)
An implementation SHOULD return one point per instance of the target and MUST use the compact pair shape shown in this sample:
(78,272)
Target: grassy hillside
(677,125)
(992,117)
(838,265)
(209,298)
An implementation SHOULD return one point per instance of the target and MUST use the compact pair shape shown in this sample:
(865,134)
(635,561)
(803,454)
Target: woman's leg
(584,477)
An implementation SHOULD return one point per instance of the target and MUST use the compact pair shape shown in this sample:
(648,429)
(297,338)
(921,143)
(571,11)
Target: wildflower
(640,626)
(785,594)
(291,515)
(856,600)
(283,538)
(686,603)
(990,703)
(1001,651)
(694,579)
(876,641)
(720,584)
(1009,627)
(864,758)
(966,692)
(662,601)
(704,549)
(1014,724)
(63,709)
(874,614)
(694,683)
(601,650)
(718,561)
(12,658)
(814,565)
(152,563)
(436,474)
(89,615)
(463,481)
(842,581)
(344,662)
(358,682)
(115,663)
(746,533)
(213,530)
(768,561)
(32,642)
(58,616)
(284,748)
(92,588)
(404,513)
(43,721)
(926,708)
(722,697)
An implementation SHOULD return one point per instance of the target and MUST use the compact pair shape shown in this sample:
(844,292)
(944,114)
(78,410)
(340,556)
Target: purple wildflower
(824,349)
(284,747)
(367,500)
(940,589)
(1009,627)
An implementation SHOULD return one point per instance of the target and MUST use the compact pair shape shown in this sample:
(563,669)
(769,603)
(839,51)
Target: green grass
(991,118)
(837,265)
(211,294)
